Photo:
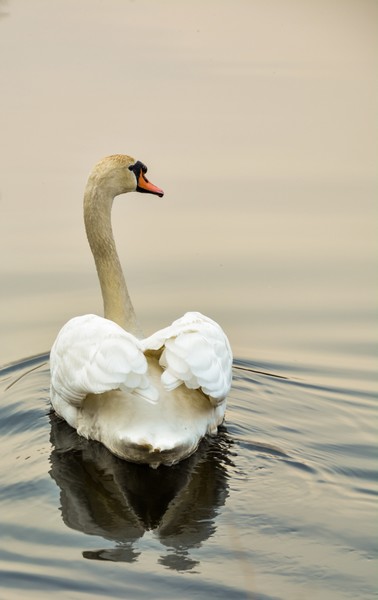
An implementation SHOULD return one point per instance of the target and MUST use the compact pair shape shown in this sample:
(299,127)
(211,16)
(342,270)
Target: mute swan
(147,400)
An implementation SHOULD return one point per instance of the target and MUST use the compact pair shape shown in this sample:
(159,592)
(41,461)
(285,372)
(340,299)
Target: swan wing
(95,355)
(196,352)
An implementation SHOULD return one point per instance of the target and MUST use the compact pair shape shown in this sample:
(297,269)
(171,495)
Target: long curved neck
(98,204)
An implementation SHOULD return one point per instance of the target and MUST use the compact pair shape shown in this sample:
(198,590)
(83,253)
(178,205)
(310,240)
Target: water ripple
(292,465)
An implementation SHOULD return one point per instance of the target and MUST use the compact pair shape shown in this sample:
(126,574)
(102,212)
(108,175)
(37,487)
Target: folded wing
(194,351)
(94,355)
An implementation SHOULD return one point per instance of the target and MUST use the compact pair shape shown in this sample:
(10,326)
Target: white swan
(147,400)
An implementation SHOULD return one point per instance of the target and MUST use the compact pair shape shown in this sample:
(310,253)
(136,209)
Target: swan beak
(149,188)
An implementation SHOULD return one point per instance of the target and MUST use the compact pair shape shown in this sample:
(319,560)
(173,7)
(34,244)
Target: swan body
(149,399)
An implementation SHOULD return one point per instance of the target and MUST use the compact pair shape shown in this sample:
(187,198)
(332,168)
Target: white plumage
(196,352)
(147,400)
(92,355)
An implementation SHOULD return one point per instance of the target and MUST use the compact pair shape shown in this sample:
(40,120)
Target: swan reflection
(105,496)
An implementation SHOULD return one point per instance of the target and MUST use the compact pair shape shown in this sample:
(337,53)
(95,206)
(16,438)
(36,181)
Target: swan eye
(138,167)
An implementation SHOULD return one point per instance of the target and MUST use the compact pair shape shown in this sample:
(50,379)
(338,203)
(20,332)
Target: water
(258,122)
(282,504)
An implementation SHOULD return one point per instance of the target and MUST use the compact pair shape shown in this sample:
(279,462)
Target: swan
(148,400)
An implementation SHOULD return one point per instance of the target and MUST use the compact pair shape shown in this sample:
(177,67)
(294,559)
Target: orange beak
(149,188)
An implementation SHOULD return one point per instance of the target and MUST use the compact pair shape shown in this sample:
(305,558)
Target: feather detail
(196,352)
(95,355)
(169,381)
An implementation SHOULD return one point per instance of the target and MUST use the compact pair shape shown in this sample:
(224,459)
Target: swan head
(120,174)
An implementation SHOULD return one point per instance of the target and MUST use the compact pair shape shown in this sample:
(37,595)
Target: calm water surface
(282,504)
(259,122)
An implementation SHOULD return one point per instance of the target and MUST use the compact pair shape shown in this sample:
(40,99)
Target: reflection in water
(105,496)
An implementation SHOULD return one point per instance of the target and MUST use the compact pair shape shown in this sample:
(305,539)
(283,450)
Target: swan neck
(118,307)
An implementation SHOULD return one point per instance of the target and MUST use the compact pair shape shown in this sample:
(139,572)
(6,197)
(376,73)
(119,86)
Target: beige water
(259,121)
